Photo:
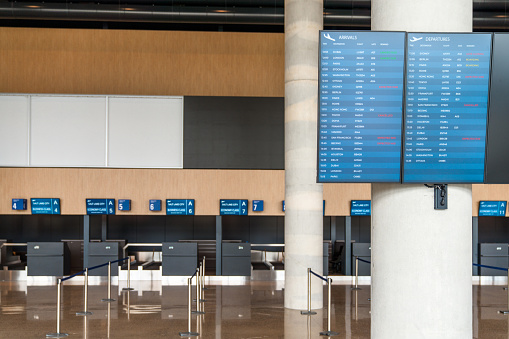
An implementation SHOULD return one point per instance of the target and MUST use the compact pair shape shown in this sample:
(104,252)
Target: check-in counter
(236,259)
(362,251)
(48,259)
(100,253)
(179,258)
(494,255)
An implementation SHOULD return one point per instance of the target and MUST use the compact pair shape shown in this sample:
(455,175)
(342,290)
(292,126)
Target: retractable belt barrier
(189,332)
(357,259)
(327,333)
(59,334)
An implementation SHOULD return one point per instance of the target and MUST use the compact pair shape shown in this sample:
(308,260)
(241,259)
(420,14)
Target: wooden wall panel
(488,192)
(79,61)
(74,185)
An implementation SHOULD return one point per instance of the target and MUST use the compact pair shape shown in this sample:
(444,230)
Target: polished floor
(251,310)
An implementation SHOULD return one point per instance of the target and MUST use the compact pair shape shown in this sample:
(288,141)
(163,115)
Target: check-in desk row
(178,258)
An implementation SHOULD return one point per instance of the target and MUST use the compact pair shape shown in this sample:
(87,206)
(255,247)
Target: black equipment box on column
(236,259)
(48,259)
(494,255)
(362,251)
(180,258)
(100,253)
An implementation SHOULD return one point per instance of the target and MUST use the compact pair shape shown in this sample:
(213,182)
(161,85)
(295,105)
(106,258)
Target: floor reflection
(253,310)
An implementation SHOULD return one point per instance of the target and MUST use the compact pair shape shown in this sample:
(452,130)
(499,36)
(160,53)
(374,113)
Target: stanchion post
(198,308)
(58,334)
(128,288)
(506,311)
(189,304)
(109,299)
(308,312)
(85,284)
(329,333)
(201,277)
(356,274)
(203,283)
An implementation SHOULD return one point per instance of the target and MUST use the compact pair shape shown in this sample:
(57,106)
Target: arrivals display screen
(360,106)
(446,107)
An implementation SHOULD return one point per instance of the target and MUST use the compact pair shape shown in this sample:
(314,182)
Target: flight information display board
(446,107)
(360,106)
(492,208)
(45,205)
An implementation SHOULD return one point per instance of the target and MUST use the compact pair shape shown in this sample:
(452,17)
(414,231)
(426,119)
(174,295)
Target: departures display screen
(360,106)
(447,84)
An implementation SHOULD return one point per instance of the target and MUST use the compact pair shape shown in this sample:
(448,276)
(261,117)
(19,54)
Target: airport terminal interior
(143,147)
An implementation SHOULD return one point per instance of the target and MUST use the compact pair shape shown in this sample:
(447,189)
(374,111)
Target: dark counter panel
(234,132)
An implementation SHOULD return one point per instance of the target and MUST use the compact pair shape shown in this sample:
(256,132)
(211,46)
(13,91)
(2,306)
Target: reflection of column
(299,326)
(348,311)
(303,196)
(109,319)
(219,315)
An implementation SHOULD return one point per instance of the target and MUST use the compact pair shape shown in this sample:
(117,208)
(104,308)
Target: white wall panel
(68,131)
(145,132)
(14,117)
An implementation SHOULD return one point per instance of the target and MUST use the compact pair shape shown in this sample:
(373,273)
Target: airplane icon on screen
(414,39)
(327,36)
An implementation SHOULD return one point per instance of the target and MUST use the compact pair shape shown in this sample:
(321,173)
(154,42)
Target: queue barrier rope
(327,333)
(59,334)
(368,262)
(492,267)
(319,276)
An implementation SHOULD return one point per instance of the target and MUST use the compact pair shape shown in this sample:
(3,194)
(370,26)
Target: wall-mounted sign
(154,205)
(45,205)
(180,206)
(100,206)
(257,205)
(124,204)
(232,207)
(19,204)
(492,208)
(360,207)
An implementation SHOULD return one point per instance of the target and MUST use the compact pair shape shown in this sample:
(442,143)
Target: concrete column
(421,263)
(421,257)
(303,196)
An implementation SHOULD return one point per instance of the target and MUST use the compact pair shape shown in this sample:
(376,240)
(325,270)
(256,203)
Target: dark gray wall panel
(493,230)
(234,132)
(179,228)
(24,228)
(236,228)
(205,228)
(497,155)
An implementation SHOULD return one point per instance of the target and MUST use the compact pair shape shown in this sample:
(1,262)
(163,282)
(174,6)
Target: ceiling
(208,15)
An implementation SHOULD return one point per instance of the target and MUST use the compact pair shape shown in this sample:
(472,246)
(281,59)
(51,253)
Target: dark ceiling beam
(489,15)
